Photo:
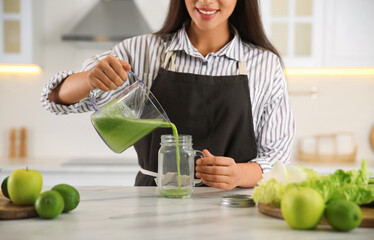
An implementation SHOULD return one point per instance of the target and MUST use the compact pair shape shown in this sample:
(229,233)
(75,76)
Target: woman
(218,78)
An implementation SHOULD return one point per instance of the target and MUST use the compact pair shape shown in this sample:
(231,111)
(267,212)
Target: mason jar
(176,176)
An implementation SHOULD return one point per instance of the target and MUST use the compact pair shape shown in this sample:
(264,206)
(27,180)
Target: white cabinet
(349,36)
(321,33)
(17,38)
(295,28)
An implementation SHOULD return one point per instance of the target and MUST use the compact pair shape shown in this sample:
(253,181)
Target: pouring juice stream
(120,132)
(132,115)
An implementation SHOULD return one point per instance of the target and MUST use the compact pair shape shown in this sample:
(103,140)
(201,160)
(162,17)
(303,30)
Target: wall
(50,136)
(342,104)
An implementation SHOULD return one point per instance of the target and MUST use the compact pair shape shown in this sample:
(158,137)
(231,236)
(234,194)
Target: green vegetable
(271,188)
(371,180)
(353,193)
(350,185)
(270,192)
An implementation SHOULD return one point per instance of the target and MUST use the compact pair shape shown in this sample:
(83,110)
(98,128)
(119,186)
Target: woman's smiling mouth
(206,13)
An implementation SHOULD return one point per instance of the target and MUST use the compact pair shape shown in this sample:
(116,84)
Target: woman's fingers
(207,153)
(113,76)
(218,170)
(218,161)
(109,74)
(118,69)
(125,65)
(220,185)
(98,84)
(105,79)
(213,177)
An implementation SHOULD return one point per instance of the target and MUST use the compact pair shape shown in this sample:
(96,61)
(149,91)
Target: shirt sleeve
(82,106)
(277,126)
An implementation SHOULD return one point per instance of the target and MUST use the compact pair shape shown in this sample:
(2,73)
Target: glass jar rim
(182,138)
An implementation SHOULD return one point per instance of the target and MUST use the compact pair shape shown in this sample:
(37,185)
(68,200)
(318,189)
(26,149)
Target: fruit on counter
(271,187)
(4,187)
(351,185)
(24,186)
(49,204)
(69,194)
(302,207)
(343,215)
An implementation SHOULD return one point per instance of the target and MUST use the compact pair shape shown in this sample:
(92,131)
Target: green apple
(24,186)
(302,207)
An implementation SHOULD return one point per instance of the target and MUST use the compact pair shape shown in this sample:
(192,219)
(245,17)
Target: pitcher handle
(198,182)
(94,93)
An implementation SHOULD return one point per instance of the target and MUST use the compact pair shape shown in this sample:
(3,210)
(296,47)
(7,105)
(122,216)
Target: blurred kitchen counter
(77,172)
(117,172)
(140,213)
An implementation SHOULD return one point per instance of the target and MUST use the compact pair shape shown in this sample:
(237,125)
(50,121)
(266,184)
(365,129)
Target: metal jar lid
(237,200)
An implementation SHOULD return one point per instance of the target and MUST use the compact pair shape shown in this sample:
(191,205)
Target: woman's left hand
(218,172)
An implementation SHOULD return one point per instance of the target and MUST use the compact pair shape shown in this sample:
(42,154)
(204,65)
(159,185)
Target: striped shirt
(273,120)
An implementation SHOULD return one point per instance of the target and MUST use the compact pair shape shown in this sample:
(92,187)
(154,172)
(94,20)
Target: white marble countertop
(140,213)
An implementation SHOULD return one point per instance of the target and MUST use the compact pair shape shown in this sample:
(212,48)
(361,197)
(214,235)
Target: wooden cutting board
(367,214)
(10,211)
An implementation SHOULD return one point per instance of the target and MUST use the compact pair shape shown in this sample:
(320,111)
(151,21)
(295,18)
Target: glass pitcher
(127,118)
(175,178)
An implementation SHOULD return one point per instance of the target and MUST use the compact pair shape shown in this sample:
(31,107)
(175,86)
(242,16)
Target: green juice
(175,133)
(176,192)
(120,132)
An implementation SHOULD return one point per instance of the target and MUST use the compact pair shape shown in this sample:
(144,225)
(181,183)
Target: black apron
(215,110)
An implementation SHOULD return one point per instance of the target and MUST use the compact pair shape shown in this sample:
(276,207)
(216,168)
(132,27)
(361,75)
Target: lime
(49,204)
(70,195)
(4,187)
(343,215)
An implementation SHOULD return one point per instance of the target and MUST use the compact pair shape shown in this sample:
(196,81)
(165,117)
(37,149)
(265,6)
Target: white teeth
(207,12)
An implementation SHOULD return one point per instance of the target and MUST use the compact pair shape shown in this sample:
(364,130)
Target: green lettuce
(351,185)
(323,185)
(269,192)
(354,193)
(271,188)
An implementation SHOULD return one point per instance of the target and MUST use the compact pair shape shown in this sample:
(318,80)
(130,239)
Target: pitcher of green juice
(130,116)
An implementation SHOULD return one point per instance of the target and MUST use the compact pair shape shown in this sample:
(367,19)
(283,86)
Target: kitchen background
(312,35)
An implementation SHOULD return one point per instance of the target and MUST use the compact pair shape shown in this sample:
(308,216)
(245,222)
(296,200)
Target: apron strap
(242,68)
(172,64)
(167,58)
(197,182)
(147,172)
(166,61)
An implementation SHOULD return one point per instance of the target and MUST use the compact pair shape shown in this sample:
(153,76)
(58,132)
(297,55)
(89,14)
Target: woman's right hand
(109,74)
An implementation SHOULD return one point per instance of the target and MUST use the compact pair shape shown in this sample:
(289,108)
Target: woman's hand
(109,74)
(218,172)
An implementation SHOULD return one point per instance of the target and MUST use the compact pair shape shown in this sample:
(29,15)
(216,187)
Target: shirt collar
(180,42)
